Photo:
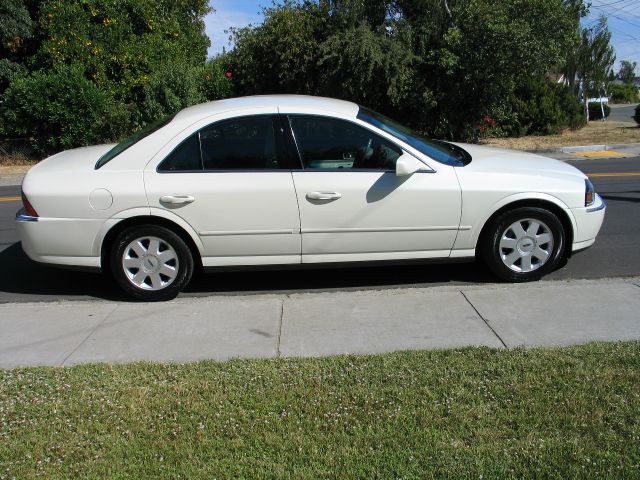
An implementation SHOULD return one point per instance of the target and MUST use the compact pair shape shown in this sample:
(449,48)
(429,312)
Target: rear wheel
(151,263)
(524,244)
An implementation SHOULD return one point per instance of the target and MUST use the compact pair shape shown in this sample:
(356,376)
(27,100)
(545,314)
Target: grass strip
(466,413)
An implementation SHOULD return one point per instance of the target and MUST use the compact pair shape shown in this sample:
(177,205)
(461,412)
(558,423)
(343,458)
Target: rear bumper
(588,223)
(59,241)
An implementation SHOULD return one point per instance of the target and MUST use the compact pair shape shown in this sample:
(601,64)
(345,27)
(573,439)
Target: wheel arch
(137,220)
(563,215)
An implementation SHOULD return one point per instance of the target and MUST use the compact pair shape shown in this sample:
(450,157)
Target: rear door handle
(324,195)
(177,199)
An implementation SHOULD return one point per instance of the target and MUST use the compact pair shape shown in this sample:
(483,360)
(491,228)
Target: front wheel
(151,263)
(524,244)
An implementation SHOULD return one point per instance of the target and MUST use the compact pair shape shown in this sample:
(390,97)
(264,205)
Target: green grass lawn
(467,413)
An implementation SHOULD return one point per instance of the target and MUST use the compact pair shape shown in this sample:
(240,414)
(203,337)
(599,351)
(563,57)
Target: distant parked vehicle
(274,180)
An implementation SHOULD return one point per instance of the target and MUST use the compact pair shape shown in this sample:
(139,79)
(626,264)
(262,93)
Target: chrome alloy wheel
(526,245)
(150,263)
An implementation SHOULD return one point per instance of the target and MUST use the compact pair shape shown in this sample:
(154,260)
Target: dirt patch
(596,133)
(14,169)
(18,159)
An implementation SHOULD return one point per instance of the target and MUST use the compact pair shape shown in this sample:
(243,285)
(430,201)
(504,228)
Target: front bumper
(588,223)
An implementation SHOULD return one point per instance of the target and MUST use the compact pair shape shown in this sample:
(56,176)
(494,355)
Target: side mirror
(408,165)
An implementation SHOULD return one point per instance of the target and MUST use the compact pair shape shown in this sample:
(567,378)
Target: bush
(216,78)
(636,117)
(595,110)
(61,109)
(623,93)
(170,89)
(544,108)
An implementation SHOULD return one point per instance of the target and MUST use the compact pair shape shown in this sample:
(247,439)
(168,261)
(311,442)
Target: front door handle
(324,195)
(177,199)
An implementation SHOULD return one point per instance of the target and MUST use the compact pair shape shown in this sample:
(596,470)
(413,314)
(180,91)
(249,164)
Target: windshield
(443,152)
(132,140)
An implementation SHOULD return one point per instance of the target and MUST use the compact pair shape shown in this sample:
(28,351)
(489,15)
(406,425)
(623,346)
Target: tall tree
(627,71)
(595,60)
(576,11)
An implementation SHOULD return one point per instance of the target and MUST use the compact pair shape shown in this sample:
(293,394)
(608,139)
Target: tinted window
(240,143)
(329,143)
(186,157)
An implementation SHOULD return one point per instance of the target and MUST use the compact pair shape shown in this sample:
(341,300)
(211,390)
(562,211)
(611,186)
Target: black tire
(496,257)
(170,244)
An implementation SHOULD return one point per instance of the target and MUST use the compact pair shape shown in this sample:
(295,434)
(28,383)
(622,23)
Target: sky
(623,20)
(231,13)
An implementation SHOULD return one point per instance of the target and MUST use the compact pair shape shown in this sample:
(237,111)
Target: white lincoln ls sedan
(286,179)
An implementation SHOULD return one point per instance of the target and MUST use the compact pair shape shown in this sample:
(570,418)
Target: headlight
(589,193)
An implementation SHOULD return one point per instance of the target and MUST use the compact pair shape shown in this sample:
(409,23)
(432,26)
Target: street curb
(586,148)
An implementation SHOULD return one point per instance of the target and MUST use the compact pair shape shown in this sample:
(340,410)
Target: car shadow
(339,278)
(621,198)
(21,276)
(24,280)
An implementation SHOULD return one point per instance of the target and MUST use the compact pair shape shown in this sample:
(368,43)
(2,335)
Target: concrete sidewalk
(314,324)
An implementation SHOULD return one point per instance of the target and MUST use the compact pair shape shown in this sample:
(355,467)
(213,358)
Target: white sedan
(286,179)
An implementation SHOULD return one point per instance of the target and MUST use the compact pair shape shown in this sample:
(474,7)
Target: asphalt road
(622,113)
(616,253)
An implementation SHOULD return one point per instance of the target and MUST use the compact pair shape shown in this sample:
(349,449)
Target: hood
(500,160)
(70,161)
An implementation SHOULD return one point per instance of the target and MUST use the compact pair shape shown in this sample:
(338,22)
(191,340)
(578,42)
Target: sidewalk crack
(486,322)
(89,335)
(280,326)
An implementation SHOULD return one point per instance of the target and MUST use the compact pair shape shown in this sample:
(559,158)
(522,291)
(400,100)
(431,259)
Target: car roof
(283,101)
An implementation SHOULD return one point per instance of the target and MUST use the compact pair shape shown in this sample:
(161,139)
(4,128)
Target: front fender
(472,224)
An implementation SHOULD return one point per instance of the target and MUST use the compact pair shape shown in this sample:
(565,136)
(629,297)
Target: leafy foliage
(136,59)
(16,26)
(439,67)
(62,109)
(595,59)
(545,108)
(442,67)
(627,71)
(623,93)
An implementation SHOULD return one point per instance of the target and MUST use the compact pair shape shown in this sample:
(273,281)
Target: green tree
(576,10)
(16,27)
(627,71)
(281,54)
(440,66)
(142,58)
(595,60)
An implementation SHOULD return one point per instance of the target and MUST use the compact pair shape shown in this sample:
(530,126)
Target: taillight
(28,208)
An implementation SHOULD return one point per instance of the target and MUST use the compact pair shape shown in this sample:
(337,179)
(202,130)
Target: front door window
(331,143)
